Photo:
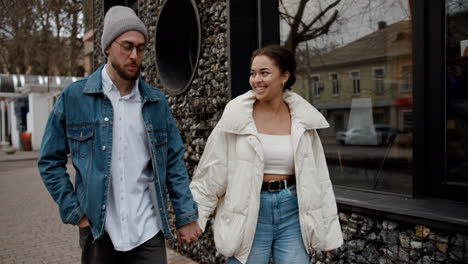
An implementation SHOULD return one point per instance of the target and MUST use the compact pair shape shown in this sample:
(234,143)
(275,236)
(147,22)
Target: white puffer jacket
(230,175)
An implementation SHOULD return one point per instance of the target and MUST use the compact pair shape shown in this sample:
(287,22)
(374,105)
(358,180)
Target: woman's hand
(188,233)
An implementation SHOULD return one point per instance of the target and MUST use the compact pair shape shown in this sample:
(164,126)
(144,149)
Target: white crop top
(278,154)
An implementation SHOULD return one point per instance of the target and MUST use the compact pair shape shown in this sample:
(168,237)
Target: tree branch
(285,16)
(318,17)
(298,17)
(321,30)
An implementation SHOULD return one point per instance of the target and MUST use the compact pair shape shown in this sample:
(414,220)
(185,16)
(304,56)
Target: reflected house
(375,69)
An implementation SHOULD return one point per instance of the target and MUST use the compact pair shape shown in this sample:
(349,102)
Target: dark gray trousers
(102,250)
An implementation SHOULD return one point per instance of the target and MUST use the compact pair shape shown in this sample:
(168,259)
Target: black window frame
(133,4)
(429,93)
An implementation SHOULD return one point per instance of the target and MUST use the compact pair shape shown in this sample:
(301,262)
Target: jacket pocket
(229,230)
(240,185)
(313,229)
(329,208)
(80,140)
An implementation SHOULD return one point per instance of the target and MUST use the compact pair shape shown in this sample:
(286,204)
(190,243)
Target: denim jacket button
(106,119)
(103,147)
(103,207)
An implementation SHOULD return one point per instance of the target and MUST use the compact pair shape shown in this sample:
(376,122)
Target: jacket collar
(238,119)
(94,86)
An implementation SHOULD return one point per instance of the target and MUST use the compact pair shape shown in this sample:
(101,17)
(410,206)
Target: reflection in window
(379,80)
(380,117)
(338,122)
(406,78)
(457,93)
(369,142)
(316,85)
(406,120)
(334,83)
(355,77)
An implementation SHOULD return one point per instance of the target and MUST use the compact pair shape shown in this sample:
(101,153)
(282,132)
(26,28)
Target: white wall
(3,124)
(15,138)
(40,105)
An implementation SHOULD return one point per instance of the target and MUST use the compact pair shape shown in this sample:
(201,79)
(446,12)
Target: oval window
(177,44)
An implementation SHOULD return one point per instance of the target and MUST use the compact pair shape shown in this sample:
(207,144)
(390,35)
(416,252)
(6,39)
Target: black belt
(276,186)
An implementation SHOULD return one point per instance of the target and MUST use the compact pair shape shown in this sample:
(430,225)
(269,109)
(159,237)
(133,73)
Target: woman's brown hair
(282,57)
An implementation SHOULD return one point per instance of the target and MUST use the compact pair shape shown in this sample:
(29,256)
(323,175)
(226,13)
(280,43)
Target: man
(126,150)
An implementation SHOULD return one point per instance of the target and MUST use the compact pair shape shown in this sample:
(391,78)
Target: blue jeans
(278,232)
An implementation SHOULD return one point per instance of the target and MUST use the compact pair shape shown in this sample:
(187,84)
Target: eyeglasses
(127,48)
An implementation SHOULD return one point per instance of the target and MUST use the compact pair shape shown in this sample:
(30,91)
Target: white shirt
(278,154)
(131,219)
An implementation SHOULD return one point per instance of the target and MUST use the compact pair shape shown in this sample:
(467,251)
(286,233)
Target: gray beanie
(118,20)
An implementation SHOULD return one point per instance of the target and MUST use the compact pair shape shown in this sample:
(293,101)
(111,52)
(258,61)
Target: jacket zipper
(298,191)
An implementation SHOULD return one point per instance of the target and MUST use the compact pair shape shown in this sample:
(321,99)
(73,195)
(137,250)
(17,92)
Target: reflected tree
(303,27)
(40,37)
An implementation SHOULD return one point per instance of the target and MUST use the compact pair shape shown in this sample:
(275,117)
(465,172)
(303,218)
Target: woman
(264,170)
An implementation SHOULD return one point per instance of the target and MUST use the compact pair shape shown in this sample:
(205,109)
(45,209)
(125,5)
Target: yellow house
(376,68)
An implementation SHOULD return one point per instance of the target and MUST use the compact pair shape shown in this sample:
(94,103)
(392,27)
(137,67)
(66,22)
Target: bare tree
(302,30)
(40,36)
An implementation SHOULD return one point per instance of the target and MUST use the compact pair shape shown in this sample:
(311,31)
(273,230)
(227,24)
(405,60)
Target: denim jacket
(80,124)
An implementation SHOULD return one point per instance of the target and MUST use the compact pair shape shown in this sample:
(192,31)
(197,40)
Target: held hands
(188,233)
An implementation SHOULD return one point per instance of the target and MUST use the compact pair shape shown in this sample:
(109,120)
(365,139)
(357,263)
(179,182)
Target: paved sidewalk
(30,227)
(18,155)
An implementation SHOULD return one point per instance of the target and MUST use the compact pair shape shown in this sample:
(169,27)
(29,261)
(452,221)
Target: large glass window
(379,75)
(457,92)
(406,82)
(316,85)
(356,80)
(367,45)
(334,83)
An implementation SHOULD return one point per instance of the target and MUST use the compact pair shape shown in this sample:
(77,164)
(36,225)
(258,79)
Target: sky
(356,19)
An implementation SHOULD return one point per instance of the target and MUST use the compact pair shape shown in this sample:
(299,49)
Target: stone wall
(371,239)
(368,239)
(198,109)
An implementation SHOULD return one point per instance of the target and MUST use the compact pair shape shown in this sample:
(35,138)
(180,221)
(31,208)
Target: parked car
(374,135)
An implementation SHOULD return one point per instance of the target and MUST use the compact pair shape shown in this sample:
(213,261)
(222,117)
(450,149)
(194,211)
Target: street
(30,227)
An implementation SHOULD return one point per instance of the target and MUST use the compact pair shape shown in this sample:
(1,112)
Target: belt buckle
(274,190)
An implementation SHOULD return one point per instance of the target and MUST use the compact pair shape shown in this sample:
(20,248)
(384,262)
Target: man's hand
(83,222)
(188,233)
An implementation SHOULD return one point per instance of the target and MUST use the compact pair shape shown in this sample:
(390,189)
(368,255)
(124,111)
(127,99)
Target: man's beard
(124,75)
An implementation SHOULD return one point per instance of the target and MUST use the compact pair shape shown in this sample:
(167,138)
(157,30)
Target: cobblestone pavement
(30,227)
